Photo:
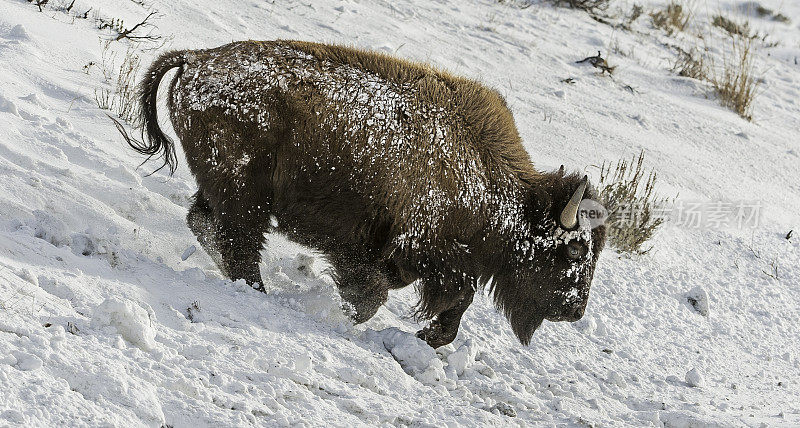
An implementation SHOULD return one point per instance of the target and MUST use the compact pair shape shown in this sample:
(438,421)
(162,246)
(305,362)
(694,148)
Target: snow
(128,319)
(106,318)
(695,379)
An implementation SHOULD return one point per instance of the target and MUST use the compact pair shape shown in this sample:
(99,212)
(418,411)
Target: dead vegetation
(735,82)
(691,64)
(636,11)
(764,12)
(675,17)
(39,3)
(141,31)
(627,191)
(731,27)
(591,6)
(733,78)
(118,94)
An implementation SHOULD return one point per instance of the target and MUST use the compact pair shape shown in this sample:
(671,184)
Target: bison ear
(561,171)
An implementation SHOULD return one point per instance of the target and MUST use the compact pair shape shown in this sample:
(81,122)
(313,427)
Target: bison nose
(575,313)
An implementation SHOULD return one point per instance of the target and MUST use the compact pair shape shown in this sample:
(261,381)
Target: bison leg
(363,284)
(235,248)
(444,328)
(201,221)
(240,246)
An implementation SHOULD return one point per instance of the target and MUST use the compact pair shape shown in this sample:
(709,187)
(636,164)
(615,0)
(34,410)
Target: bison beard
(398,172)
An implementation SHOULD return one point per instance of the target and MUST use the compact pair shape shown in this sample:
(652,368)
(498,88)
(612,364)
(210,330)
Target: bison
(397,171)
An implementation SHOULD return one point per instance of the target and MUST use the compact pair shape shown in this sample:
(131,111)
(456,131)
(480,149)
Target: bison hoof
(435,335)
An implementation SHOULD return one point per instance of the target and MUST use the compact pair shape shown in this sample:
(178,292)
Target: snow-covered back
(108,315)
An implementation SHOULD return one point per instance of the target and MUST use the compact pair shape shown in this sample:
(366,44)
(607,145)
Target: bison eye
(575,250)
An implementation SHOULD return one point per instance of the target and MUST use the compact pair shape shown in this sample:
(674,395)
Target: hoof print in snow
(697,298)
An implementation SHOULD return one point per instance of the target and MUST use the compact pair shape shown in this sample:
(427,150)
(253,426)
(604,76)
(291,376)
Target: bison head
(549,262)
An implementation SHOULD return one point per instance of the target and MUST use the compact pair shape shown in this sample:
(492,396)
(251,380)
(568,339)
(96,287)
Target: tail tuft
(154,142)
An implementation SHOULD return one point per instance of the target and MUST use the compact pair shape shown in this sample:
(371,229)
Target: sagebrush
(627,191)
(675,17)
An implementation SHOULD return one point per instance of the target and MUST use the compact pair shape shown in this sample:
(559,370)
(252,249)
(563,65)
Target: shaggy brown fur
(396,170)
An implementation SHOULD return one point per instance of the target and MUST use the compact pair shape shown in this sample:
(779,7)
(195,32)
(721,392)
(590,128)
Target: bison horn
(569,217)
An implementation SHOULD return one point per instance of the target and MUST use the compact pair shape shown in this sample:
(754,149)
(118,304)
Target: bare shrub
(587,5)
(627,191)
(731,27)
(39,3)
(520,4)
(675,17)
(735,82)
(136,33)
(119,92)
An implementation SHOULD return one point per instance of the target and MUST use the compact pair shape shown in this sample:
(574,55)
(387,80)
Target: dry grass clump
(764,12)
(735,82)
(675,17)
(691,64)
(636,12)
(627,192)
(731,27)
(119,94)
(781,18)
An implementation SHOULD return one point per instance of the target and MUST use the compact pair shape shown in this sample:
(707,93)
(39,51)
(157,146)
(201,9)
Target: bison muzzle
(398,172)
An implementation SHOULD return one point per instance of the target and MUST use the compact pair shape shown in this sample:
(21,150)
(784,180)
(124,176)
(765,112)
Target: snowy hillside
(108,318)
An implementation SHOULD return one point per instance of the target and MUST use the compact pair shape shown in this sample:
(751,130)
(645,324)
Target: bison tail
(154,141)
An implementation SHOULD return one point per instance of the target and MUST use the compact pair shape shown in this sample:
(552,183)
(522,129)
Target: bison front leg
(240,246)
(234,247)
(444,328)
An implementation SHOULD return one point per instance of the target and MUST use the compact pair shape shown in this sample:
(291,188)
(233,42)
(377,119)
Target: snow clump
(414,355)
(130,320)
